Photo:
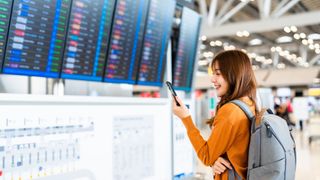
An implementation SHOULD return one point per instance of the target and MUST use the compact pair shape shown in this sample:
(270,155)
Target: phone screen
(173,92)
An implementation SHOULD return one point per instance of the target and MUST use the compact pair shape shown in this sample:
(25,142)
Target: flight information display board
(187,49)
(87,40)
(36,37)
(5,11)
(157,33)
(126,41)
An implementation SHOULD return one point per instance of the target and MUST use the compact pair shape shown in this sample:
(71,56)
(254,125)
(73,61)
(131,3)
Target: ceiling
(275,33)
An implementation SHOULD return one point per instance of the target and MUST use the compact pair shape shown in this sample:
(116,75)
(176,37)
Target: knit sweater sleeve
(223,134)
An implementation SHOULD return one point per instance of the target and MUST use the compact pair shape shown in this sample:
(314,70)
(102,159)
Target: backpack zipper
(270,132)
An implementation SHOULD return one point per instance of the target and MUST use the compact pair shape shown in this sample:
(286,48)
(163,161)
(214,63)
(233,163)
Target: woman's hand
(220,166)
(180,111)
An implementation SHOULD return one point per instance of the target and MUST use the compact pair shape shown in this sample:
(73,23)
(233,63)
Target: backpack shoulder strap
(245,108)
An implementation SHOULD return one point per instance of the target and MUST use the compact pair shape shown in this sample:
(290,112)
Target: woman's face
(220,84)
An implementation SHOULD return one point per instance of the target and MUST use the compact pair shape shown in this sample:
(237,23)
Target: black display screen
(87,40)
(187,48)
(36,37)
(157,33)
(5,12)
(126,41)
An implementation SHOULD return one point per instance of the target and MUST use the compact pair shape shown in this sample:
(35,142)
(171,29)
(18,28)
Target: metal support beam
(260,7)
(314,60)
(285,8)
(280,5)
(266,8)
(212,12)
(203,8)
(232,12)
(303,51)
(224,8)
(275,59)
(265,25)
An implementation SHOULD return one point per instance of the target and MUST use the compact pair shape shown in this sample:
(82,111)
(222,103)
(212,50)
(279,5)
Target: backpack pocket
(269,171)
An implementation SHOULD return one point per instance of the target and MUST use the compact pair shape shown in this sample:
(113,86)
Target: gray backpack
(272,154)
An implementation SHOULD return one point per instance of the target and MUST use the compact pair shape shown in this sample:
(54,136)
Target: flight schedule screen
(36,37)
(187,49)
(87,40)
(157,33)
(126,41)
(5,11)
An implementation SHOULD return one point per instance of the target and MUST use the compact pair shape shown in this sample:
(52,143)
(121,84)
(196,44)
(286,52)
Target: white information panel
(87,138)
(183,152)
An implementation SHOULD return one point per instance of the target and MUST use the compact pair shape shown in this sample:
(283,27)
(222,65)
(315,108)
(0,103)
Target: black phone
(173,92)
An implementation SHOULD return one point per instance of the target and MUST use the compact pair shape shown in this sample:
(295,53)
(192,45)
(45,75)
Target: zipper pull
(269,132)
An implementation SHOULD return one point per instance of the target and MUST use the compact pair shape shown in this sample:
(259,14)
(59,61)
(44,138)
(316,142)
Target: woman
(227,146)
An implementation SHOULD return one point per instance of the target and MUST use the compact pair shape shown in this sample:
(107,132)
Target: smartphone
(173,92)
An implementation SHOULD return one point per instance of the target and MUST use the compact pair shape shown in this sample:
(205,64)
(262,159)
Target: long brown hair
(235,67)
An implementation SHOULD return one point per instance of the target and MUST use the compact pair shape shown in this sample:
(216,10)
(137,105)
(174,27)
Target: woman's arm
(221,138)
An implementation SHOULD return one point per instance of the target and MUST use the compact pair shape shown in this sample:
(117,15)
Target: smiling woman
(227,146)
(233,76)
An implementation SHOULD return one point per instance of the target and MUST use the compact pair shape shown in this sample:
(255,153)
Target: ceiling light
(239,34)
(269,61)
(293,28)
(218,43)
(210,54)
(255,42)
(246,33)
(278,49)
(282,53)
(294,56)
(252,55)
(273,49)
(304,42)
(290,57)
(296,36)
(286,29)
(212,43)
(317,51)
(316,45)
(281,66)
(314,36)
(284,39)
(203,63)
(302,35)
(260,58)
(242,33)
(299,59)
(311,46)
(310,41)
(232,47)
(203,38)
(286,52)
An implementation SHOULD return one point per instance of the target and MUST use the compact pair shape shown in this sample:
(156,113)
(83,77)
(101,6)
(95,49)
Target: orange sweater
(230,135)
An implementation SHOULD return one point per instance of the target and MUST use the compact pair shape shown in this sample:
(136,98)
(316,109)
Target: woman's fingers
(225,163)
(221,165)
(218,168)
(180,111)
